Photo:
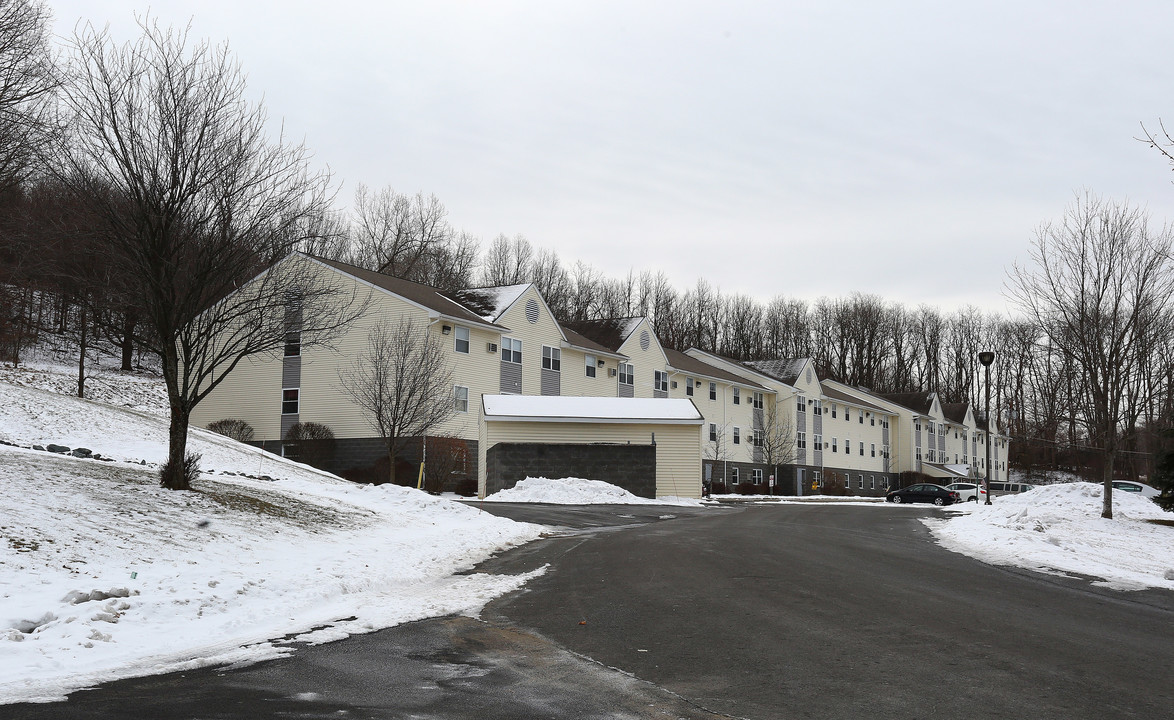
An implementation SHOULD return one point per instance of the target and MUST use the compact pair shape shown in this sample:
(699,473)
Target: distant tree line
(140,190)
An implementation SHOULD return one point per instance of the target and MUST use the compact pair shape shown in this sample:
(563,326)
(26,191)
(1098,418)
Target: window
(817,408)
(818,439)
(885,451)
(758,401)
(918,454)
(591,364)
(293,343)
(817,476)
(660,381)
(552,358)
(289,401)
(917,426)
(801,440)
(461,398)
(759,438)
(873,450)
(757,474)
(689,387)
(929,427)
(734,476)
(712,432)
(860,482)
(461,339)
(713,391)
(872,482)
(511,350)
(933,456)
(802,404)
(847,414)
(737,396)
(627,374)
(860,416)
(835,448)
(737,436)
(885,423)
(833,411)
(872,421)
(861,448)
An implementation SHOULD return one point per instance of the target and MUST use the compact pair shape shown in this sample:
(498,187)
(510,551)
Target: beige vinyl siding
(644,362)
(575,380)
(678,455)
(251,392)
(722,412)
(533,336)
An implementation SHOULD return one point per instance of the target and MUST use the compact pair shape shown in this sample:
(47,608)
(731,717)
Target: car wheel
(939,501)
(974,498)
(897,498)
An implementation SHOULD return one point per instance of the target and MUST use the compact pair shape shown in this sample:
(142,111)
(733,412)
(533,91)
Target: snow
(590,409)
(1058,529)
(578,491)
(104,575)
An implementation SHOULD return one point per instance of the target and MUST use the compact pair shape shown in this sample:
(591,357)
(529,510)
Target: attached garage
(649,446)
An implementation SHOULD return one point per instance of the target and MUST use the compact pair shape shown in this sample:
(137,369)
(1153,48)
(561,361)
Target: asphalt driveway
(759,611)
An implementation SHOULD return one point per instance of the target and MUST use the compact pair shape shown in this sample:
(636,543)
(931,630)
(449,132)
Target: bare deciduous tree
(777,439)
(402,383)
(1100,290)
(28,79)
(198,206)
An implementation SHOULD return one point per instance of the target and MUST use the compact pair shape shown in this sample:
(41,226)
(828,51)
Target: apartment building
(770,425)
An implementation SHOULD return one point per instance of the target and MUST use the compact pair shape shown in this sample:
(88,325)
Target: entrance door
(800,480)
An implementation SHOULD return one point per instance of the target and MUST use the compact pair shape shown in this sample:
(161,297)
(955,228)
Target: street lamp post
(986,358)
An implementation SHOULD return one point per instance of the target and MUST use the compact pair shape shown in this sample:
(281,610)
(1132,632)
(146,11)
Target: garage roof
(549,408)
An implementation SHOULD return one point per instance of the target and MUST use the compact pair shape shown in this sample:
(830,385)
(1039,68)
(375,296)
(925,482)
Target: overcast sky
(907,149)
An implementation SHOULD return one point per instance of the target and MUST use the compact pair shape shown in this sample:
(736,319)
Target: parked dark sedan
(924,492)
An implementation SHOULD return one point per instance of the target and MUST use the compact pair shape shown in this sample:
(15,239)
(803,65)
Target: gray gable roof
(839,396)
(782,369)
(918,402)
(489,302)
(688,364)
(955,412)
(418,293)
(611,333)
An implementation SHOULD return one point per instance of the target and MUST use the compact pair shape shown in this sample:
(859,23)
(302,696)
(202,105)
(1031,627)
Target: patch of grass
(22,545)
(284,508)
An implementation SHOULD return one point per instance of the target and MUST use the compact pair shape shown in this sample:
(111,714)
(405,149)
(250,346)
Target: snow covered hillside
(105,575)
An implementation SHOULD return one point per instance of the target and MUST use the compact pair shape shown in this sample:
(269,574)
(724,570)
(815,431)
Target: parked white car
(1136,487)
(969,491)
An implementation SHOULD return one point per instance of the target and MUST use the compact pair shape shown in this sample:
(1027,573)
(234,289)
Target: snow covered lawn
(1059,529)
(578,491)
(105,575)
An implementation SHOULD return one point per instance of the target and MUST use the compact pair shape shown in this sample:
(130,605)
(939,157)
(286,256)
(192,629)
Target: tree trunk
(128,342)
(391,465)
(81,356)
(174,475)
(1107,502)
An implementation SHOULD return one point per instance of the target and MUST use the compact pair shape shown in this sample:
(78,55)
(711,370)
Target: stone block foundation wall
(631,467)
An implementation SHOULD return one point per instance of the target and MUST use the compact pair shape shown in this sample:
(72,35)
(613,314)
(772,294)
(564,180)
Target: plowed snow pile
(578,491)
(1059,529)
(105,575)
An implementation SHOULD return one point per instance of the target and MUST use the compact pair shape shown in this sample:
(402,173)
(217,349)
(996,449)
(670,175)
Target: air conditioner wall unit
(611,372)
(674,383)
(491,347)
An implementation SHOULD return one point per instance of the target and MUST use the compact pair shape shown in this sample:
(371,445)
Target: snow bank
(577,491)
(105,575)
(1059,529)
